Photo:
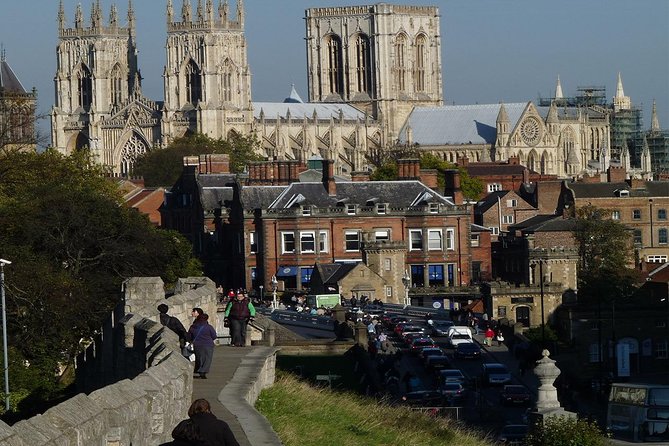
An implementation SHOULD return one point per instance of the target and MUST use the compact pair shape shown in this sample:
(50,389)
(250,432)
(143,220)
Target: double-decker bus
(639,412)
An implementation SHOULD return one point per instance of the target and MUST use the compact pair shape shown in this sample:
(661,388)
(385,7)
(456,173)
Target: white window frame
(387,264)
(346,240)
(285,241)
(475,240)
(657,258)
(252,242)
(511,203)
(306,211)
(430,240)
(494,187)
(323,242)
(312,234)
(507,219)
(615,215)
(350,209)
(494,230)
(381,234)
(661,349)
(450,239)
(381,208)
(389,291)
(433,208)
(412,232)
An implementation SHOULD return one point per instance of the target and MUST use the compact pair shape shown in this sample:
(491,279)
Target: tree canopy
(72,243)
(162,167)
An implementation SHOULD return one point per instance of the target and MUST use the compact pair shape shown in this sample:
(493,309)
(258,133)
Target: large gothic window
(84,87)
(193,83)
(116,89)
(421,62)
(227,84)
(400,62)
(335,69)
(363,64)
(133,148)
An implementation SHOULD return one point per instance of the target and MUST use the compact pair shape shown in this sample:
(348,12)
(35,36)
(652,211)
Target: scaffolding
(589,96)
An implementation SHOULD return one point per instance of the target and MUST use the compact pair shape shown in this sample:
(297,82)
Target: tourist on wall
(186,433)
(172,323)
(202,335)
(238,313)
(215,432)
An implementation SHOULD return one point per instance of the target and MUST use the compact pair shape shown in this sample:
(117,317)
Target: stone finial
(79,17)
(61,16)
(547,372)
(170,12)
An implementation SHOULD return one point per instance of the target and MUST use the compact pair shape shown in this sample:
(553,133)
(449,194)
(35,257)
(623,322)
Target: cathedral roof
(305,110)
(8,80)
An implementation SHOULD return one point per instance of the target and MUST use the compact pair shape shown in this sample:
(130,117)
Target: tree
(162,167)
(566,431)
(72,243)
(471,187)
(605,250)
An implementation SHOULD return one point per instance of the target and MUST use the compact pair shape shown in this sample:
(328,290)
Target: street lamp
(262,296)
(4,262)
(275,284)
(406,281)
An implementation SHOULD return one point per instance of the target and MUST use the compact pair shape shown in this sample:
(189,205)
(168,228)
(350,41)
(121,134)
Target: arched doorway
(523,316)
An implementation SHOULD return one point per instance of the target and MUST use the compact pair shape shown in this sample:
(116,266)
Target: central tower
(384,59)
(207,77)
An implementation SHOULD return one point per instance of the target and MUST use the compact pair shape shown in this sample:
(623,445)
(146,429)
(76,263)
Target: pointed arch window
(84,87)
(400,62)
(335,71)
(193,83)
(421,63)
(116,79)
(363,64)
(227,81)
(133,149)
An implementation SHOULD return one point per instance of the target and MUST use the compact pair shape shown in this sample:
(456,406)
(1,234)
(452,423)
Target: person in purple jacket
(202,335)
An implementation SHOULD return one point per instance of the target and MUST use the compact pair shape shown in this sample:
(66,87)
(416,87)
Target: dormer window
(622,193)
(433,208)
(306,211)
(381,208)
(350,209)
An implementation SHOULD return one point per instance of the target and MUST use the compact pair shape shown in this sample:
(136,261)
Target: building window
(323,245)
(352,241)
(382,235)
(450,239)
(657,258)
(661,214)
(494,187)
(306,211)
(659,323)
(435,240)
(638,238)
(193,83)
(363,64)
(435,275)
(253,243)
(335,68)
(415,239)
(501,311)
(287,242)
(636,214)
(116,80)
(594,353)
(389,291)
(511,203)
(494,230)
(418,275)
(615,215)
(507,219)
(350,209)
(380,208)
(400,62)
(387,264)
(475,240)
(305,275)
(662,236)
(307,241)
(433,208)
(421,63)
(661,349)
(85,87)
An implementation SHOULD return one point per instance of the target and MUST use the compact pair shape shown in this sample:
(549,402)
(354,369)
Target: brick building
(501,209)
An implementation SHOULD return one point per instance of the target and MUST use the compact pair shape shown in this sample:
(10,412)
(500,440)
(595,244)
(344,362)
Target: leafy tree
(605,250)
(72,243)
(565,431)
(162,167)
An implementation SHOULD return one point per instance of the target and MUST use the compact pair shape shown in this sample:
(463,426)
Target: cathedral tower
(207,77)
(384,59)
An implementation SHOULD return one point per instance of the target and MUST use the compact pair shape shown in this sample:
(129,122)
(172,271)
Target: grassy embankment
(305,415)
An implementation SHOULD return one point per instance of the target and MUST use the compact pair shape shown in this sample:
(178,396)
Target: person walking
(215,432)
(238,313)
(173,324)
(202,335)
(186,433)
(489,334)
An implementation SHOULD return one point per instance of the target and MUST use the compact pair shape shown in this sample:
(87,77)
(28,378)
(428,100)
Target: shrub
(566,431)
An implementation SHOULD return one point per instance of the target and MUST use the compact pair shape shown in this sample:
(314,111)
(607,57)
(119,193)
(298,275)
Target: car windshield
(451,386)
(460,336)
(451,373)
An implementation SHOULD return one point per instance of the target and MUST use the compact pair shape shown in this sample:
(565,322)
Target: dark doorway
(523,316)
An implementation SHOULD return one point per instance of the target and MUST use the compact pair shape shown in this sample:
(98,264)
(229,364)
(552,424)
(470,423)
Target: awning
(286,271)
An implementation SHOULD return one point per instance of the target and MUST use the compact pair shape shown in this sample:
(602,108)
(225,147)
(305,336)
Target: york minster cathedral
(374,81)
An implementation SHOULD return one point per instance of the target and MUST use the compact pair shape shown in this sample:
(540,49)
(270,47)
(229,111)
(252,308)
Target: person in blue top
(202,335)
(238,313)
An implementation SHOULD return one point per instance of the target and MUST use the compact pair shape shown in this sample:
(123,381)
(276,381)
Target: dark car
(423,398)
(421,343)
(514,394)
(453,392)
(513,434)
(393,321)
(440,328)
(467,350)
(437,363)
(429,351)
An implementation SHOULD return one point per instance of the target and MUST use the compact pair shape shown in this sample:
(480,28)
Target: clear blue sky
(493,50)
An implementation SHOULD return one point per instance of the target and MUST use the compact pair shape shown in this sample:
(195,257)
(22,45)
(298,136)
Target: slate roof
(608,190)
(489,201)
(8,80)
(216,189)
(333,272)
(478,228)
(260,197)
(488,169)
(300,111)
(545,223)
(395,193)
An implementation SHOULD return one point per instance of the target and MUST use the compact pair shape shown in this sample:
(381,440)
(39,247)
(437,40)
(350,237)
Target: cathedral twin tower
(368,66)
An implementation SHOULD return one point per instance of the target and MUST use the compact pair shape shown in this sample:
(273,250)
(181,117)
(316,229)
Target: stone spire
(223,10)
(199,11)
(620,91)
(645,157)
(96,15)
(625,156)
(210,11)
(131,17)
(170,12)
(552,117)
(79,17)
(558,89)
(604,158)
(240,12)
(61,16)
(654,121)
(620,101)
(113,16)
(186,11)
(502,127)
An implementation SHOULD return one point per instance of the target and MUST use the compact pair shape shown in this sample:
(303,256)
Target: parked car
(453,392)
(437,363)
(421,343)
(495,373)
(440,328)
(514,394)
(423,398)
(467,350)
(450,375)
(513,434)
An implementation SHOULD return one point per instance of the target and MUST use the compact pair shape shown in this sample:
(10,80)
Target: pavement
(232,368)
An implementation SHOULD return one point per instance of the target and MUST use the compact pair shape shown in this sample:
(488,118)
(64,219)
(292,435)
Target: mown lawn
(304,415)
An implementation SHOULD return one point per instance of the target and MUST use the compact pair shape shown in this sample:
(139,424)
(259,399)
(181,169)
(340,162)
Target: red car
(421,343)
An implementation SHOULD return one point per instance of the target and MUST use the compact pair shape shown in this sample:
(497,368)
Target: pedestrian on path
(173,324)
(489,334)
(238,313)
(202,335)
(186,433)
(215,432)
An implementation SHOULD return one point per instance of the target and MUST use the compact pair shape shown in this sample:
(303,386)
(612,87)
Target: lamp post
(262,296)
(4,262)
(275,284)
(541,288)
(406,281)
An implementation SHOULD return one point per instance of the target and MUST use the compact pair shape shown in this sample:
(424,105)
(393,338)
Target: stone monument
(548,404)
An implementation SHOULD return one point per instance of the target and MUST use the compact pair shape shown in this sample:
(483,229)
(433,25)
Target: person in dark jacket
(215,432)
(202,335)
(172,323)
(186,433)
(238,313)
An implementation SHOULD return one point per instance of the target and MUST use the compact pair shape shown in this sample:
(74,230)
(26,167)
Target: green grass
(305,415)
(308,367)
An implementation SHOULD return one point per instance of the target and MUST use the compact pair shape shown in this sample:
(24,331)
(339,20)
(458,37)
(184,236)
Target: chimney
(328,178)
(408,169)
(359,177)
(429,178)
(463,161)
(526,176)
(453,186)
(214,163)
(514,160)
(637,183)
(616,174)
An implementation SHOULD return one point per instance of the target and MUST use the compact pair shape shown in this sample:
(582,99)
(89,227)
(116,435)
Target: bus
(638,412)
(323,300)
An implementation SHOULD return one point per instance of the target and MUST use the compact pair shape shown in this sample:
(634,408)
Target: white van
(459,329)
(458,335)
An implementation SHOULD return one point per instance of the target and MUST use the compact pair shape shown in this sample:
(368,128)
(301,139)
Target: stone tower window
(133,148)
(400,62)
(363,64)
(421,62)
(84,87)
(193,83)
(116,79)
(335,73)
(227,84)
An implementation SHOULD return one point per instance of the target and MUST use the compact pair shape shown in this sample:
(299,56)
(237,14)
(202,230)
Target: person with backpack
(238,313)
(202,335)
